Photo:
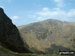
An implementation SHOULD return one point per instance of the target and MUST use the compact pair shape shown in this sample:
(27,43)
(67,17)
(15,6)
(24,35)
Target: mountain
(9,35)
(49,36)
(43,37)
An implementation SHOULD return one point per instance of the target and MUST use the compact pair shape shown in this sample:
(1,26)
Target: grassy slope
(6,52)
(43,34)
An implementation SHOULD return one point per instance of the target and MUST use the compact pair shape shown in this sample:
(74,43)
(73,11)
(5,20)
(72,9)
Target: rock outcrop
(9,35)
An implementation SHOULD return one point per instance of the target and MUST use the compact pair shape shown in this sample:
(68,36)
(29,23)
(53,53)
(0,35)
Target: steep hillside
(49,36)
(9,35)
(34,38)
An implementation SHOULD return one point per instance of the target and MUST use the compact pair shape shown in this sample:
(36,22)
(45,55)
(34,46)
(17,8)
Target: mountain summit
(49,35)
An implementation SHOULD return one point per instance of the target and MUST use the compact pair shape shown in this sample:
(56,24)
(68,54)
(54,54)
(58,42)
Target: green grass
(6,52)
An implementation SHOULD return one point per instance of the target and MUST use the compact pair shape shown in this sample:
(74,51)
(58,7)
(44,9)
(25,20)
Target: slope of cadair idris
(9,35)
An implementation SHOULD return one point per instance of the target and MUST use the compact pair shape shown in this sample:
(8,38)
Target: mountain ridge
(46,33)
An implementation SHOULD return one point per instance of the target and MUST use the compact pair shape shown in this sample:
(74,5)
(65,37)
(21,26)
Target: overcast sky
(23,12)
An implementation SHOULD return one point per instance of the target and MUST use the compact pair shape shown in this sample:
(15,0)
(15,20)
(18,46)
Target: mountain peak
(47,33)
(52,20)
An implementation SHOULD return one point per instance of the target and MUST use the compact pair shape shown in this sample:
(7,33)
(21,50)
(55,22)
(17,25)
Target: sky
(24,12)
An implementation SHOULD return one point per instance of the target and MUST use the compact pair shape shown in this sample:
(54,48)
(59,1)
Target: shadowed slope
(9,35)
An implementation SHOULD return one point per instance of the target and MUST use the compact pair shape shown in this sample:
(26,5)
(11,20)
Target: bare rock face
(9,35)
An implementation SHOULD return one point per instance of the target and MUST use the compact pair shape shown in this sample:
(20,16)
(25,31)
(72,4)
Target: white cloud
(44,12)
(56,13)
(59,3)
(71,13)
(15,17)
(46,9)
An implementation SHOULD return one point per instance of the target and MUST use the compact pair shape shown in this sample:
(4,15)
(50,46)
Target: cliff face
(9,35)
(49,35)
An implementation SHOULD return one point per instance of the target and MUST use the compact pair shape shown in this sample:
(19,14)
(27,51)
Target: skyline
(27,11)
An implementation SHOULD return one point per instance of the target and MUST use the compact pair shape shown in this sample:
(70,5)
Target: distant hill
(49,36)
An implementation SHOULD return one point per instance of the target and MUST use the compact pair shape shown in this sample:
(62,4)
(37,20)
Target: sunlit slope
(49,35)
